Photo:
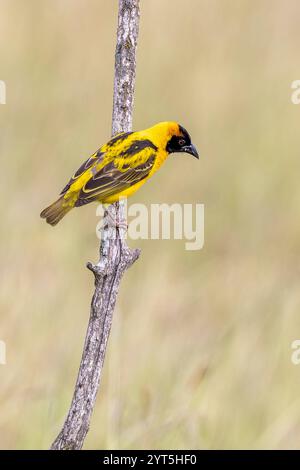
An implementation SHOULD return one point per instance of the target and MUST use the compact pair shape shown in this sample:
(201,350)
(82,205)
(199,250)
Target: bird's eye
(181,142)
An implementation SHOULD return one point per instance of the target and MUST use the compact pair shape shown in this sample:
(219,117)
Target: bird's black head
(181,142)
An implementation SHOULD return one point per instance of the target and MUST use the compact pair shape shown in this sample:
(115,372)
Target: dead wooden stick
(115,255)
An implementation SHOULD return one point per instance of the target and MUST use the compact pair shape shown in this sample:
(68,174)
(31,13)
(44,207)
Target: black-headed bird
(120,167)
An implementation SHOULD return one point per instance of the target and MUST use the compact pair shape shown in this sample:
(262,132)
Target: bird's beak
(191,149)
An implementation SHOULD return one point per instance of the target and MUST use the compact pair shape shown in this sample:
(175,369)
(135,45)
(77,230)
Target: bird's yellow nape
(161,133)
(168,128)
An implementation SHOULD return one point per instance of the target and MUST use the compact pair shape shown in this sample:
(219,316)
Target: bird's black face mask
(182,143)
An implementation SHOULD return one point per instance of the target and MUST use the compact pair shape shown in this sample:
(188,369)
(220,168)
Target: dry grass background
(199,355)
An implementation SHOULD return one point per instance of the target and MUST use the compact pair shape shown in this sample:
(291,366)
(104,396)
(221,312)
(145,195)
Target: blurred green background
(200,350)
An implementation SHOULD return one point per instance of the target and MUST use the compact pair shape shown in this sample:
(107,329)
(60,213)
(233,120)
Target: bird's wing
(112,179)
(94,159)
(97,157)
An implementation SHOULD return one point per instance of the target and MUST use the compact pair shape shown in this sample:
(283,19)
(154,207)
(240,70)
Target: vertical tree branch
(115,256)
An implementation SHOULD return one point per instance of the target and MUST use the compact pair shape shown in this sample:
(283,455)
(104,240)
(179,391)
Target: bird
(120,167)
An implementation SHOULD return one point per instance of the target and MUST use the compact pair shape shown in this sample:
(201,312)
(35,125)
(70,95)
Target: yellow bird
(120,167)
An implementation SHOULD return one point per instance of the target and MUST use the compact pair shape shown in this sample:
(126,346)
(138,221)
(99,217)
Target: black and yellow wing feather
(111,180)
(96,158)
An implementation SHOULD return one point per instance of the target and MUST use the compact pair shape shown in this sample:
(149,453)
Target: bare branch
(115,255)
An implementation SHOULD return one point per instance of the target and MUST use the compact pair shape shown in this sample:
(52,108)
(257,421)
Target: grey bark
(115,255)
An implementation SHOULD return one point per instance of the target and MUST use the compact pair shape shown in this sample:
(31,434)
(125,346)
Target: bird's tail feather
(54,213)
